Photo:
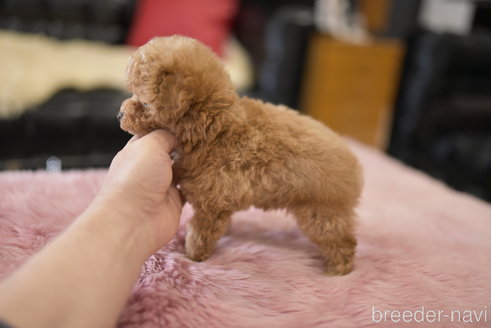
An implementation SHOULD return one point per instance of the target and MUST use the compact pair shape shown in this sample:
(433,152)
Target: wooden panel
(376,14)
(351,88)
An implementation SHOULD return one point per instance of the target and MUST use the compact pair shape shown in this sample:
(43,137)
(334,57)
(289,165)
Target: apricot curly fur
(239,152)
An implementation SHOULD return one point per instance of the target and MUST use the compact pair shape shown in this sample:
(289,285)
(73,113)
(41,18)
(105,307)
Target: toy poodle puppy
(240,152)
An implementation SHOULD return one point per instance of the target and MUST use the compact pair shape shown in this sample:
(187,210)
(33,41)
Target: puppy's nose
(119,116)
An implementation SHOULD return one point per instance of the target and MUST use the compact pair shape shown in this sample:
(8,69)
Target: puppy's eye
(145,104)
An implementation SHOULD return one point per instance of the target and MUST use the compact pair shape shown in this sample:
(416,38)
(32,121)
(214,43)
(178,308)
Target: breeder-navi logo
(429,316)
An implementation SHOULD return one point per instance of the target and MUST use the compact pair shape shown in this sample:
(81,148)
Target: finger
(164,138)
(176,197)
(181,196)
(132,140)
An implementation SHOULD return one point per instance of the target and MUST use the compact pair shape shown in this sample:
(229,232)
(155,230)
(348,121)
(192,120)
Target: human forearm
(76,283)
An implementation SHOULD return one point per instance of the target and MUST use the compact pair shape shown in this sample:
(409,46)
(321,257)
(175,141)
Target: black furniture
(442,115)
(79,128)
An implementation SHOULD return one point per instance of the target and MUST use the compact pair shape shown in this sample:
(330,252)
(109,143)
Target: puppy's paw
(195,248)
(338,270)
(193,253)
(195,256)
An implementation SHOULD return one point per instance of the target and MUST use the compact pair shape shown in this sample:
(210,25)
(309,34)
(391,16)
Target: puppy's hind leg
(202,233)
(332,230)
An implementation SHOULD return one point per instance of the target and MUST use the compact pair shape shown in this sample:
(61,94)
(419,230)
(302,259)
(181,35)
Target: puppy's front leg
(202,233)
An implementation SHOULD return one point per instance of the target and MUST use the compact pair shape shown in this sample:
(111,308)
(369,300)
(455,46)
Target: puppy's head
(169,77)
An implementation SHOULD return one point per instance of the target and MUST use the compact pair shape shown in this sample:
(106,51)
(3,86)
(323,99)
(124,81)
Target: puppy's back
(318,157)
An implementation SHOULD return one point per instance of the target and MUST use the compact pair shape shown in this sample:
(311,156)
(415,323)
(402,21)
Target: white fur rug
(34,67)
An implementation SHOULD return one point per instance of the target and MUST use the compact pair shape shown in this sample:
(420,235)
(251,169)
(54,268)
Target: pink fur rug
(423,258)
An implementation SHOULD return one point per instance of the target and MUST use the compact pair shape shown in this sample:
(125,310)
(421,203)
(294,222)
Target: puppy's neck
(203,126)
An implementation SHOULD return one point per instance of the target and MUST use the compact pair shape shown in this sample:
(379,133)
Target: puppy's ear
(172,92)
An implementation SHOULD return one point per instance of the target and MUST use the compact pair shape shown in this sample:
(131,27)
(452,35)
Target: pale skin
(84,276)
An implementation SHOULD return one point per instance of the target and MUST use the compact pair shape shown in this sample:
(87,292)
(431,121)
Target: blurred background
(410,78)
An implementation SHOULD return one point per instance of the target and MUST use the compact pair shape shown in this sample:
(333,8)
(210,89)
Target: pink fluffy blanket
(423,257)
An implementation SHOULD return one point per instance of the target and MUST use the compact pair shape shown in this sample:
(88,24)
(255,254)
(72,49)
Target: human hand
(138,186)
(99,256)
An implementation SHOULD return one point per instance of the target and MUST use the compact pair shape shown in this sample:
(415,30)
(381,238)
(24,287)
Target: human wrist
(118,226)
(152,217)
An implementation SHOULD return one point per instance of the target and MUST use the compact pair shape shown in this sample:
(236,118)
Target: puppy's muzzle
(120,115)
